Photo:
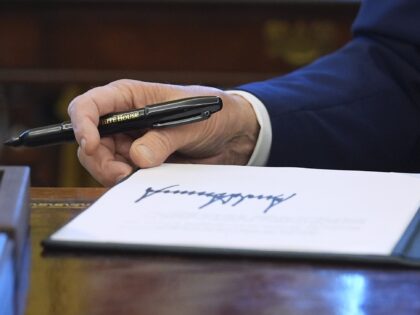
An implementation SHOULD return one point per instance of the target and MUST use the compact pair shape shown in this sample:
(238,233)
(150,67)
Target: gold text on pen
(120,118)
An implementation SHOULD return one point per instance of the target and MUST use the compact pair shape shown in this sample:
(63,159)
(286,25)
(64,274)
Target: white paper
(263,209)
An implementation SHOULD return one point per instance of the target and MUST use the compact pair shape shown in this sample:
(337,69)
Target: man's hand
(227,137)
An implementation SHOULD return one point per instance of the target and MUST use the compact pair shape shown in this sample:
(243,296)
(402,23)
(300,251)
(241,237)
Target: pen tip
(13,142)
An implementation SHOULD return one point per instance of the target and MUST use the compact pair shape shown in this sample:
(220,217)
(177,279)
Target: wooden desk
(72,283)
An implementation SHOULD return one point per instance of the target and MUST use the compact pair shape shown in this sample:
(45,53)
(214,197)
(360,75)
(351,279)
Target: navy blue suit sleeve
(357,108)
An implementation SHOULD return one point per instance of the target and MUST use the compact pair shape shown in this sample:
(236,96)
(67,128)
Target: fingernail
(145,153)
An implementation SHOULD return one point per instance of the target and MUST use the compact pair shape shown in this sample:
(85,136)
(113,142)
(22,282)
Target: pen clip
(203,116)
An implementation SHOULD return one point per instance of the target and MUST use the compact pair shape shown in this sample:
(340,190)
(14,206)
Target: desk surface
(76,283)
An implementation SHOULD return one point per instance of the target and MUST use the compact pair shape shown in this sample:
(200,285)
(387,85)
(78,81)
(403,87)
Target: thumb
(154,147)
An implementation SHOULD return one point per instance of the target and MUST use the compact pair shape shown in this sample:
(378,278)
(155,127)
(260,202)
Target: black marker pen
(168,114)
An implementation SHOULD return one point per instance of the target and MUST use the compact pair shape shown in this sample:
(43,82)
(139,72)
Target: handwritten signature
(223,198)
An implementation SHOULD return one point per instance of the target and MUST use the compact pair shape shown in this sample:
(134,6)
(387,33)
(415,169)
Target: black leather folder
(403,249)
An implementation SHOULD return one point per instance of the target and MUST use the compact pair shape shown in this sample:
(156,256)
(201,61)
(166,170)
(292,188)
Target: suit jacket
(357,108)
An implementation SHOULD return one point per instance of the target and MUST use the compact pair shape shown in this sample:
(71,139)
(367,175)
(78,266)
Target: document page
(246,208)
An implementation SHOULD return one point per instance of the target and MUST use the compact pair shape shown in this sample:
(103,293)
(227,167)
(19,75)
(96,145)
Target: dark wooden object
(210,42)
(98,283)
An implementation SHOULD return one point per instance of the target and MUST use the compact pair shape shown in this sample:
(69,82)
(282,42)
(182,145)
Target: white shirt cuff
(263,146)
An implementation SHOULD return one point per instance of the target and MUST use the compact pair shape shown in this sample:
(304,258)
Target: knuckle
(73,105)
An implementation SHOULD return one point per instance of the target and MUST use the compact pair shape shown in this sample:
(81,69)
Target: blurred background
(51,51)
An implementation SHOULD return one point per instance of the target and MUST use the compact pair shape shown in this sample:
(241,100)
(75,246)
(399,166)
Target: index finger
(85,110)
